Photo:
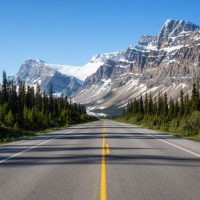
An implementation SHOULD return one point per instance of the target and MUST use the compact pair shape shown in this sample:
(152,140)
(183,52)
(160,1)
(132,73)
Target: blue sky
(72,31)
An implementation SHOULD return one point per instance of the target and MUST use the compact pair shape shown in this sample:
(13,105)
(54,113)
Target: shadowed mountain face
(35,72)
(167,62)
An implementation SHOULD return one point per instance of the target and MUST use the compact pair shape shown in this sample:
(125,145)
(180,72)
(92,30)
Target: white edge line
(172,144)
(5,159)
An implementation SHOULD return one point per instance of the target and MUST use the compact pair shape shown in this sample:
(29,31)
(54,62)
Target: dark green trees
(162,110)
(4,92)
(195,98)
(26,107)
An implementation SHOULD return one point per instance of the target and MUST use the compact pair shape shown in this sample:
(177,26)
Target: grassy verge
(178,127)
(12,134)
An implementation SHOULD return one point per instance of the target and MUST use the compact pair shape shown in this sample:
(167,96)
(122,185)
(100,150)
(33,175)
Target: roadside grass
(13,134)
(164,129)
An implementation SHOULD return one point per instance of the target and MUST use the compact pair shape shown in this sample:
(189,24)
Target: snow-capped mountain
(35,72)
(65,79)
(167,62)
(80,72)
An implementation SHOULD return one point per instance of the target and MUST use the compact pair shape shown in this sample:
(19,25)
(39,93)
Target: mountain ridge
(35,71)
(167,62)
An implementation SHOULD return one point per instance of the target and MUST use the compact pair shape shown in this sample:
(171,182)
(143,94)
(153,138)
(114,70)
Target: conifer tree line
(161,106)
(26,107)
(167,113)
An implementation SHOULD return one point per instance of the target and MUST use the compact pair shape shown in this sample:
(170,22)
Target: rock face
(167,62)
(35,72)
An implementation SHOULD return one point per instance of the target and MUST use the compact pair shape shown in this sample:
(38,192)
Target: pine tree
(195,99)
(45,104)
(146,104)
(182,106)
(141,106)
(4,88)
(176,109)
(28,102)
(165,105)
(155,107)
(171,109)
(51,106)
(150,107)
(187,104)
(160,105)
(135,107)
(38,98)
(21,102)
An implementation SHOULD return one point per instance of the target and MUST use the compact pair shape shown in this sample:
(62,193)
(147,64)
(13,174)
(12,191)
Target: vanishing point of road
(102,160)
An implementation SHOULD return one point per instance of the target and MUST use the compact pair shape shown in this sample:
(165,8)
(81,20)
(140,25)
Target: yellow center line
(107,149)
(103,192)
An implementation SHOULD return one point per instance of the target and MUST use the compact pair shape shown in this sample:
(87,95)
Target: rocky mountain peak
(174,27)
(31,69)
(35,71)
(34,62)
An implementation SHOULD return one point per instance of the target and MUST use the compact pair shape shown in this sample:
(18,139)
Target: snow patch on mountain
(80,72)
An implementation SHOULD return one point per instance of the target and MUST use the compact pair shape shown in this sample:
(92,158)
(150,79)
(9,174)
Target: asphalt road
(102,160)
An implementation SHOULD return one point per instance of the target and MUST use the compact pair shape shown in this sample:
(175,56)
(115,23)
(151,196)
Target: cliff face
(167,62)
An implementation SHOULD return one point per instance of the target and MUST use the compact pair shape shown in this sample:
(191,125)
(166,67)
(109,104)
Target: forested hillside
(26,108)
(181,116)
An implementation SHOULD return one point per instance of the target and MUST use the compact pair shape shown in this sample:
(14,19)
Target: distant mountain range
(167,62)
(64,78)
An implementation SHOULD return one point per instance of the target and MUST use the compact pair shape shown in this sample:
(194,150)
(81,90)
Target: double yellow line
(105,150)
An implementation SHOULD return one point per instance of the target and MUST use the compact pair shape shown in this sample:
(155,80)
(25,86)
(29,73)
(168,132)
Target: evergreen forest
(181,116)
(25,108)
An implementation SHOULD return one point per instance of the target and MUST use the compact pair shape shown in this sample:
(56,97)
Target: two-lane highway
(103,160)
